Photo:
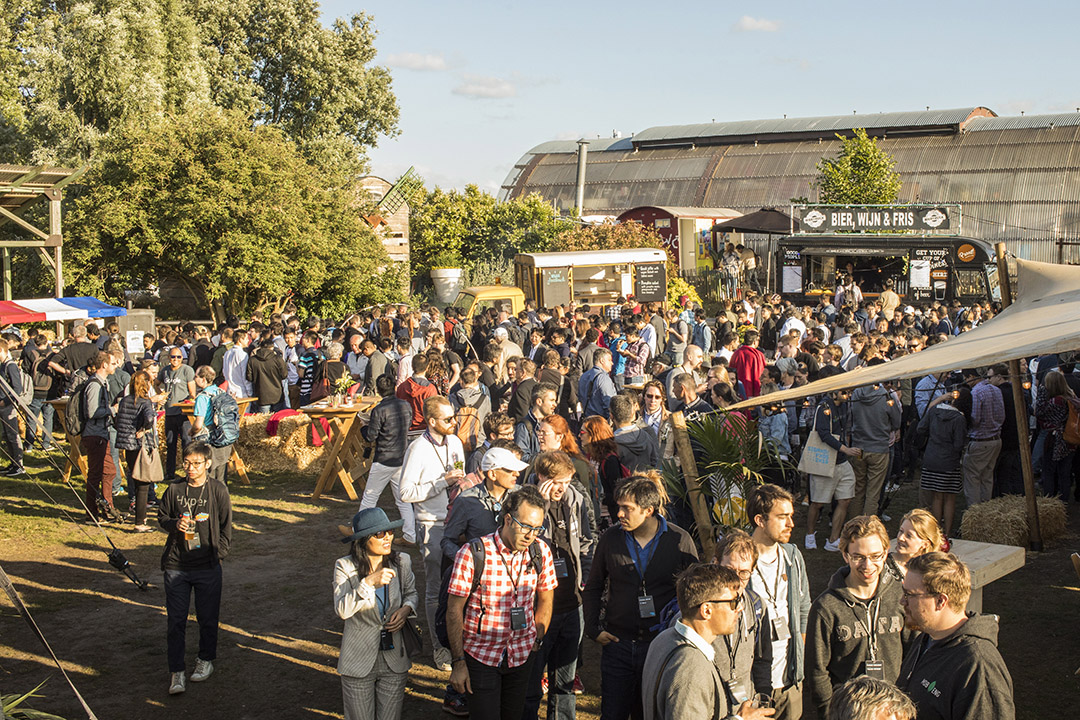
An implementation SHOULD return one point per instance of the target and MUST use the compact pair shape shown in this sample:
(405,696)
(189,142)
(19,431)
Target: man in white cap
(477,511)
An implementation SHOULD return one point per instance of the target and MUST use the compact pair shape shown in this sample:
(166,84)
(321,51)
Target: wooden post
(690,479)
(1022,429)
(7,273)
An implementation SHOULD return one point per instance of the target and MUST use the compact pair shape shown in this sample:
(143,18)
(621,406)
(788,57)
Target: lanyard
(871,624)
(774,592)
(513,581)
(733,651)
(642,564)
(445,444)
(380,600)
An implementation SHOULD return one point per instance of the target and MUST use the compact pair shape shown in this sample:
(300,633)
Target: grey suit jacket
(354,602)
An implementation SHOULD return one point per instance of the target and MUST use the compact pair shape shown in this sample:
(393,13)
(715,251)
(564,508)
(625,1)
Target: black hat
(368,522)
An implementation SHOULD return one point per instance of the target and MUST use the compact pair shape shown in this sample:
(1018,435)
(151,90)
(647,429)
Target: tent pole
(1020,407)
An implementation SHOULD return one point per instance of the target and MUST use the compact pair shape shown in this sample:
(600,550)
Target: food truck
(593,277)
(878,243)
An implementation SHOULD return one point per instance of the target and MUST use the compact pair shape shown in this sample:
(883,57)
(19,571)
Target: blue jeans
(47,412)
(118,484)
(270,409)
(178,586)
(621,665)
(558,657)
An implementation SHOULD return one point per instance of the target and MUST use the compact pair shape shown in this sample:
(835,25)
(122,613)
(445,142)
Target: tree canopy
(234,214)
(73,70)
(861,174)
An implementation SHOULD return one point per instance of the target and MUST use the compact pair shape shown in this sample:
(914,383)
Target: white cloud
(486,87)
(749,24)
(427,62)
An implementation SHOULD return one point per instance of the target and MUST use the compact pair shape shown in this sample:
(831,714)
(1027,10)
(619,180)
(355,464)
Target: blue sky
(479,83)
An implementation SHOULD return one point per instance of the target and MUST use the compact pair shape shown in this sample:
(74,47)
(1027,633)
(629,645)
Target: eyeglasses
(872,559)
(528,529)
(732,603)
(910,595)
(176,357)
(449,419)
(383,534)
(194,463)
(654,396)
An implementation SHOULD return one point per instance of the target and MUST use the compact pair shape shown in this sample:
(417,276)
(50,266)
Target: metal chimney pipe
(582,156)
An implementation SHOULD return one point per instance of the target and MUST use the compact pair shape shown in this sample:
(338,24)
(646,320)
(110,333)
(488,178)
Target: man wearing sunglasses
(178,381)
(501,599)
(680,678)
(856,626)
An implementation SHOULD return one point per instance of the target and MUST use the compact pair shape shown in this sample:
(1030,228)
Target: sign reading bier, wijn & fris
(817,219)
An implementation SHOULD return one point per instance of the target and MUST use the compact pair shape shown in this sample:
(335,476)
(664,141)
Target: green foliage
(677,287)
(74,71)
(471,229)
(736,458)
(608,235)
(13,708)
(234,214)
(861,174)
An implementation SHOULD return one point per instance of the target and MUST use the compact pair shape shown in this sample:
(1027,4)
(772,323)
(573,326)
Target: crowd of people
(524,453)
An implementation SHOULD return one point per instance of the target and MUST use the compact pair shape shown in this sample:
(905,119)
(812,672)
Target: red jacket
(748,364)
(415,392)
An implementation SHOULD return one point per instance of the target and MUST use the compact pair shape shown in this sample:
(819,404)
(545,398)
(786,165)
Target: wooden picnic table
(987,562)
(236,463)
(346,461)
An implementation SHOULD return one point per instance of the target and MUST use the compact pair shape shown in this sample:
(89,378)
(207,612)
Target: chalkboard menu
(651,282)
(555,286)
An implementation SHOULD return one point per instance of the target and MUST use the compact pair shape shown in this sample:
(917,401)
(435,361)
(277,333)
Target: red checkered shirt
(487,634)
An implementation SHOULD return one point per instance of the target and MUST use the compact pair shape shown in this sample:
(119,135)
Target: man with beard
(953,668)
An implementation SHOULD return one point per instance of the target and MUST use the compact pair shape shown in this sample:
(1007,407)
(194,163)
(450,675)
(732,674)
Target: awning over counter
(48,309)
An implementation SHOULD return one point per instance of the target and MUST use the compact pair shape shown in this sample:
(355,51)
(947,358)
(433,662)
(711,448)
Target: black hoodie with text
(837,642)
(960,677)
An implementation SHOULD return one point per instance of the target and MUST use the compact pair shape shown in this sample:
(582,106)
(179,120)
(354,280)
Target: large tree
(235,214)
(861,173)
(74,69)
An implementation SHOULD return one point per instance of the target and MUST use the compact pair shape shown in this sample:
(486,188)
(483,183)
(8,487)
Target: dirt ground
(279,635)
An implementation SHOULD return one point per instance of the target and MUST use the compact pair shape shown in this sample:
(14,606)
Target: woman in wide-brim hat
(374,592)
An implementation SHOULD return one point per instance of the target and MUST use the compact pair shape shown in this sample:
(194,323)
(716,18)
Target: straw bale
(1003,521)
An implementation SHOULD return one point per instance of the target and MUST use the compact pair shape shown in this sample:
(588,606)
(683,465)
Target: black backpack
(476,546)
(75,418)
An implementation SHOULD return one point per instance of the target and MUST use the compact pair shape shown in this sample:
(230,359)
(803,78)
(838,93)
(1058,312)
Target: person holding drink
(374,593)
(197,515)
(434,462)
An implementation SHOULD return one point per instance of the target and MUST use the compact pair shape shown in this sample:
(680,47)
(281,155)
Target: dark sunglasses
(383,534)
(732,603)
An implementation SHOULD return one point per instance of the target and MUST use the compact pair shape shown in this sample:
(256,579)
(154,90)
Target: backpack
(225,414)
(43,379)
(1071,432)
(476,546)
(469,429)
(75,418)
(459,339)
(27,393)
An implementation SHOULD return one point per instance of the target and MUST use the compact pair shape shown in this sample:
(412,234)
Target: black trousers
(498,692)
(178,587)
(176,433)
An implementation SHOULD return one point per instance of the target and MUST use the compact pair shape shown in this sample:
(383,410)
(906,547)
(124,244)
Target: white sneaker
(831,546)
(442,659)
(811,542)
(203,670)
(177,683)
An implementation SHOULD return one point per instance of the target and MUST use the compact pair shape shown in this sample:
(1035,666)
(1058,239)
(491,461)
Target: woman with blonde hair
(919,534)
(136,428)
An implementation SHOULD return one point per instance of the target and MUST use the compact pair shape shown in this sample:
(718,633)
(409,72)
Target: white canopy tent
(1044,318)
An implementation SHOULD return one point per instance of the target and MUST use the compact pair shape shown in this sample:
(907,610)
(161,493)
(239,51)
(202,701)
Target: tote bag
(817,457)
(148,466)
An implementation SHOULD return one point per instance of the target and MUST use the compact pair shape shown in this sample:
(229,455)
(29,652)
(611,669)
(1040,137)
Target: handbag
(817,457)
(411,634)
(147,467)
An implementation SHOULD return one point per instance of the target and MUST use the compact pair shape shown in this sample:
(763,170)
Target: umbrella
(766,220)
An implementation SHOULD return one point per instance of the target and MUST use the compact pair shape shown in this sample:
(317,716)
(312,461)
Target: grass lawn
(279,635)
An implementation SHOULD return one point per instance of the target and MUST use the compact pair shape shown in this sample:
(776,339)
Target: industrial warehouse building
(1017,179)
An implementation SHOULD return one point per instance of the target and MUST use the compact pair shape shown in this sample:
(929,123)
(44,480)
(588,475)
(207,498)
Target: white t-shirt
(770,583)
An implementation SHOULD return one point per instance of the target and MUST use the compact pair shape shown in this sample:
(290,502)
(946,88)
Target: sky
(479,83)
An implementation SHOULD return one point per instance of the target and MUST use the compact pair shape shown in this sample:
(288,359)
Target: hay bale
(252,430)
(1003,521)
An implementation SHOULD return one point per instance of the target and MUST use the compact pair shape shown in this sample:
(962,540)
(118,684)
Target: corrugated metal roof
(1021,122)
(698,212)
(825,124)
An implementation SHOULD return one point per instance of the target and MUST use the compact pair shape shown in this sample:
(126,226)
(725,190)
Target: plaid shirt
(487,634)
